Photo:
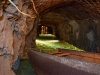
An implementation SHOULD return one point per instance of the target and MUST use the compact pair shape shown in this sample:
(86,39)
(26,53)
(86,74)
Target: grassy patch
(25,68)
(50,43)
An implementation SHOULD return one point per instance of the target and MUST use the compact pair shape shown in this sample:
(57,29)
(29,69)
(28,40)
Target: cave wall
(84,34)
(6,45)
(18,32)
(14,30)
(75,27)
(31,37)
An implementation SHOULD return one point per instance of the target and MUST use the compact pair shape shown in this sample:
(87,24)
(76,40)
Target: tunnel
(21,22)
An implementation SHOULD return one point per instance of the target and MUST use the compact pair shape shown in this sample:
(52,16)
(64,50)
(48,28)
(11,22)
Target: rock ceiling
(18,31)
(56,11)
(73,9)
(90,6)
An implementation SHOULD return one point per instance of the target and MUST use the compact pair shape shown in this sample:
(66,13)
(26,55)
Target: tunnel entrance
(74,21)
(71,25)
(44,29)
(61,23)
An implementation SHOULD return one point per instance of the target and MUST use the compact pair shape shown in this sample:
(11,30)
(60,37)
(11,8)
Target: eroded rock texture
(74,26)
(14,27)
(74,21)
(6,46)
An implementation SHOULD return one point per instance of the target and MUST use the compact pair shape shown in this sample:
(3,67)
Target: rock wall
(14,31)
(74,26)
(31,37)
(81,33)
(18,32)
(6,46)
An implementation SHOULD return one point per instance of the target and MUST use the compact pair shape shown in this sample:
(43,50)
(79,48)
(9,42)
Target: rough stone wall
(14,29)
(22,27)
(74,26)
(41,5)
(18,31)
(82,40)
(65,31)
(31,37)
(81,33)
(6,46)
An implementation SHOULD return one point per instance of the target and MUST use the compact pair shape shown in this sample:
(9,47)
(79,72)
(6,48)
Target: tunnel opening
(62,28)
(67,23)
(71,24)
(68,20)
(44,29)
(62,22)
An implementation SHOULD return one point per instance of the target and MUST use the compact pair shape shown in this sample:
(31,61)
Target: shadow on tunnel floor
(25,68)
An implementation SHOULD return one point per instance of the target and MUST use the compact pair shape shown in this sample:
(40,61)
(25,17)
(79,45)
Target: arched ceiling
(90,6)
(41,5)
(54,12)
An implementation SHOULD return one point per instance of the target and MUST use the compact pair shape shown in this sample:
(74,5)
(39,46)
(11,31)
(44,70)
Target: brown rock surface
(18,31)
(6,46)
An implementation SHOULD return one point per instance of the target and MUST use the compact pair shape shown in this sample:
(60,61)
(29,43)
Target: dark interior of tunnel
(74,22)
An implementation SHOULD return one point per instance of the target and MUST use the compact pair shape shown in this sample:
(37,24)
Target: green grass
(46,36)
(25,68)
(48,43)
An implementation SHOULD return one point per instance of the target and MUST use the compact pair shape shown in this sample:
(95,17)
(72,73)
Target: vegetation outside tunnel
(49,43)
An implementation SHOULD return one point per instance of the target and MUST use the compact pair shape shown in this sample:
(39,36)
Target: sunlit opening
(49,42)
